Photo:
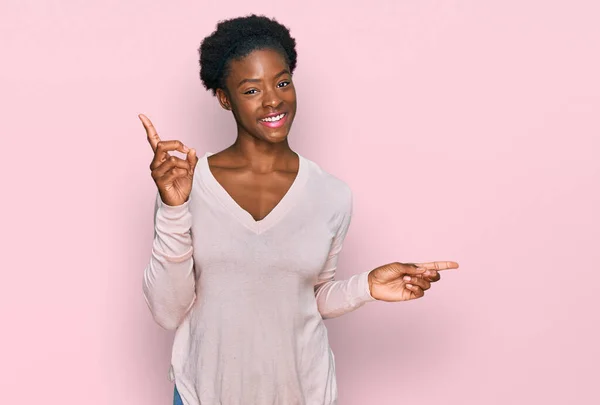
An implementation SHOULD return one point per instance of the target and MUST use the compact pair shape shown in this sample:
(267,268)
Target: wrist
(370,283)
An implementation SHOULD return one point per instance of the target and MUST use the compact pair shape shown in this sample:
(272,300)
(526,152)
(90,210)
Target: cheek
(292,98)
(246,111)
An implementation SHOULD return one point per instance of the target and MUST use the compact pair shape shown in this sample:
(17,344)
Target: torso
(256,193)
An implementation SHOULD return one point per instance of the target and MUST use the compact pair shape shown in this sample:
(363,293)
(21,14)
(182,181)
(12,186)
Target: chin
(276,137)
(274,134)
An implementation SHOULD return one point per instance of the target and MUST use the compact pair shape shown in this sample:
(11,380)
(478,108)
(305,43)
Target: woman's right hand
(173,176)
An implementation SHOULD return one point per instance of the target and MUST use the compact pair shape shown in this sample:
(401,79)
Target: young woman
(247,240)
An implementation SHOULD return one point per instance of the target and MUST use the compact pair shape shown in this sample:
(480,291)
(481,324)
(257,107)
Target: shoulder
(333,188)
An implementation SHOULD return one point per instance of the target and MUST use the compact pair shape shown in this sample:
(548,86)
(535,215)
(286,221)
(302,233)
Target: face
(258,86)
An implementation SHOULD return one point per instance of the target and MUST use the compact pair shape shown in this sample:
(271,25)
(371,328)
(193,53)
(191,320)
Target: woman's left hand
(405,281)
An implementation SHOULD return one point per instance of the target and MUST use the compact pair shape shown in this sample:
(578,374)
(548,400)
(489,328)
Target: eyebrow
(258,80)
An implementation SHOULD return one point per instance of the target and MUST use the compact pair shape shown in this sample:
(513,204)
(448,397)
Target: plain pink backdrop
(468,131)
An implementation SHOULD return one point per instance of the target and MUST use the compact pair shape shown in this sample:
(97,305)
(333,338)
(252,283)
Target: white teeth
(276,118)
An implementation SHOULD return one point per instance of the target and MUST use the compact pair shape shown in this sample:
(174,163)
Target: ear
(223,99)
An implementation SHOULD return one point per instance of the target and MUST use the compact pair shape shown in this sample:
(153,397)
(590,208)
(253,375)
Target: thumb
(413,269)
(192,159)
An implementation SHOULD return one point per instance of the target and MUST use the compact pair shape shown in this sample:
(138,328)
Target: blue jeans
(176,398)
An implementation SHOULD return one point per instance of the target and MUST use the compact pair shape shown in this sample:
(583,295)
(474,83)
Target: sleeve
(337,297)
(169,283)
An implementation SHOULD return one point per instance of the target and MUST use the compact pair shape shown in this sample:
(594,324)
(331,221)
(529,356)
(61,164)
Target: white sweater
(247,298)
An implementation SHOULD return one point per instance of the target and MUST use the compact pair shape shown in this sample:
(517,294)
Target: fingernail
(186,149)
(406,278)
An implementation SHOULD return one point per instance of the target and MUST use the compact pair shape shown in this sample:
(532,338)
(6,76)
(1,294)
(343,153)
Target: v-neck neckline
(243,216)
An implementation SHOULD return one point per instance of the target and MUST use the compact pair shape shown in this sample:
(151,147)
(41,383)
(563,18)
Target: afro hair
(234,39)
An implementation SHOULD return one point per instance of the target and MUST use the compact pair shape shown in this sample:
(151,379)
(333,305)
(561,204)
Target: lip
(275,124)
(273,114)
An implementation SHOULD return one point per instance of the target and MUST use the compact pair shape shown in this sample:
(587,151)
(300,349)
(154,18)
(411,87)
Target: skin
(259,167)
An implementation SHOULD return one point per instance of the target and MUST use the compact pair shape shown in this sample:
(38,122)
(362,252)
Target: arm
(169,283)
(337,297)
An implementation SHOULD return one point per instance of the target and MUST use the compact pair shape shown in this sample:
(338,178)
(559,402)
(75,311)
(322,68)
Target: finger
(431,275)
(170,163)
(415,290)
(418,281)
(438,265)
(164,146)
(413,269)
(161,154)
(151,133)
(171,175)
(192,159)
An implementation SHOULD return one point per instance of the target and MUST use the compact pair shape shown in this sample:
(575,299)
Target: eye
(287,83)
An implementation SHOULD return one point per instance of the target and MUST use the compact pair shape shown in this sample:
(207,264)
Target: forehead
(259,63)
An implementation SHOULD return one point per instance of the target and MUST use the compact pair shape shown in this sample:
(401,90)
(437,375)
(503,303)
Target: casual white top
(247,298)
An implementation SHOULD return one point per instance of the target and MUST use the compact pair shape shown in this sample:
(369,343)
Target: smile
(274,119)
(274,122)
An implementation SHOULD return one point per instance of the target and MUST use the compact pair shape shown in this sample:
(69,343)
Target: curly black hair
(234,39)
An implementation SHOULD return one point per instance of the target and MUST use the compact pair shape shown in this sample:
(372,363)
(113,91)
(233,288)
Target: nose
(271,98)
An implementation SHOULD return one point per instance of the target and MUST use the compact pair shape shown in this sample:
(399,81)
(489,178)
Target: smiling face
(258,86)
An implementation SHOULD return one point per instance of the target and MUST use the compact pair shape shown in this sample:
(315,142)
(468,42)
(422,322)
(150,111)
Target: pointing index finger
(438,265)
(153,137)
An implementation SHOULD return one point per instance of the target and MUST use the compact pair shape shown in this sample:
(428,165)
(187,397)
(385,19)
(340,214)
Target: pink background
(468,131)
